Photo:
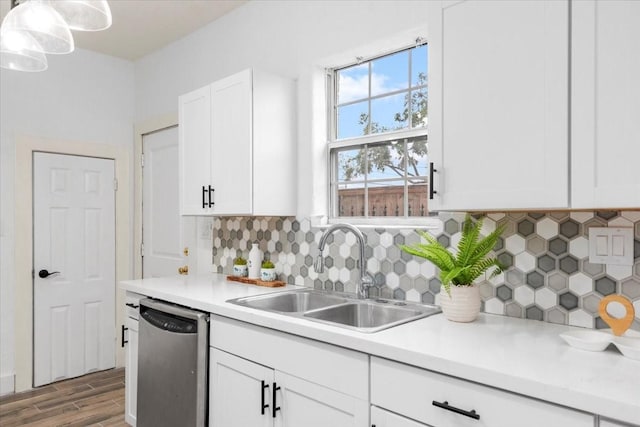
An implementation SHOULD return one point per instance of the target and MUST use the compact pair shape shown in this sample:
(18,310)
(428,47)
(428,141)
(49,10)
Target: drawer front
(337,368)
(132,301)
(444,401)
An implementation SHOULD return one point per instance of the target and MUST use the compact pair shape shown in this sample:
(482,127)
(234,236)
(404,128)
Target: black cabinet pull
(122,336)
(273,401)
(211,190)
(132,305)
(431,190)
(445,405)
(204,194)
(263,405)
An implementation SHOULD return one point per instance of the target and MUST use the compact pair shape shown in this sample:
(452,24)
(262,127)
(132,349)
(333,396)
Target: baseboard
(7,384)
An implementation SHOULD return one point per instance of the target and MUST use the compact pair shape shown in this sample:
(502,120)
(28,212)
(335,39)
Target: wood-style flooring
(91,400)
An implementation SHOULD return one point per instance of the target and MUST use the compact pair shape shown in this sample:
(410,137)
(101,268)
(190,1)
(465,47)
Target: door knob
(43,274)
(183,270)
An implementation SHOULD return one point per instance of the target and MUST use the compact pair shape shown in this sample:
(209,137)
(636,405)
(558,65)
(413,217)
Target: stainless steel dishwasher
(173,352)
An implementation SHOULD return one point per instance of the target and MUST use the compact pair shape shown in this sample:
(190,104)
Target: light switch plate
(611,245)
(206,228)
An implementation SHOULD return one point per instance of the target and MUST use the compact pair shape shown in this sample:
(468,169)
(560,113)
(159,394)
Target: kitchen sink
(369,315)
(338,309)
(290,301)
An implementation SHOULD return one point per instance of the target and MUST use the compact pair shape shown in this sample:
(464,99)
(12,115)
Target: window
(378,144)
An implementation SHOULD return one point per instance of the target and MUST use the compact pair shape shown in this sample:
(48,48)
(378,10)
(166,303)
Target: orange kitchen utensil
(618,326)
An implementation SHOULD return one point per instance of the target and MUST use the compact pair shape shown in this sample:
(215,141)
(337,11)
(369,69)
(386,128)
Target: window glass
(379,165)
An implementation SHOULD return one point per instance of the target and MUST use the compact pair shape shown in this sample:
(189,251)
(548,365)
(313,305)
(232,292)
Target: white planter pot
(268,274)
(463,305)
(240,270)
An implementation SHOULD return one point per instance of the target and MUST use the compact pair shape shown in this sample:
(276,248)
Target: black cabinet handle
(122,336)
(204,194)
(445,405)
(431,190)
(211,190)
(263,405)
(43,274)
(132,305)
(273,401)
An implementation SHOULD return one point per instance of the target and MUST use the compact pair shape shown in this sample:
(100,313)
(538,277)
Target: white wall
(83,96)
(291,38)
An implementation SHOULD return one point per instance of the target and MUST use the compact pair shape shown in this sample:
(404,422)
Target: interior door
(74,266)
(164,232)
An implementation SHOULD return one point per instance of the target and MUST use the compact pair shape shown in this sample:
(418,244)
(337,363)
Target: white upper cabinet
(605,103)
(194,116)
(237,147)
(498,104)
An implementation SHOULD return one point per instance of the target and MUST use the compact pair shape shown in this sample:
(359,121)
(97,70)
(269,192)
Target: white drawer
(132,301)
(415,393)
(337,368)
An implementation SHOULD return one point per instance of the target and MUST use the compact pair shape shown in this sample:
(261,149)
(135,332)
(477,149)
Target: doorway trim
(141,129)
(25,146)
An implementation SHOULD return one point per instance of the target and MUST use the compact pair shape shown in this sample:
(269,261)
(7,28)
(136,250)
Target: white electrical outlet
(612,245)
(206,229)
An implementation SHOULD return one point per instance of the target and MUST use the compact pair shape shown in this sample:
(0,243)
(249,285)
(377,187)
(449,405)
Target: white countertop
(523,356)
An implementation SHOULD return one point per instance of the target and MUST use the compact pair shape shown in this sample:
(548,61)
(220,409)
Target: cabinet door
(194,129)
(605,131)
(232,166)
(611,423)
(131,373)
(238,390)
(303,403)
(498,106)
(382,418)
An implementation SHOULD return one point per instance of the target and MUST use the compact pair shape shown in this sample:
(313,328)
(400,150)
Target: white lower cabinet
(611,423)
(443,401)
(261,377)
(131,363)
(382,418)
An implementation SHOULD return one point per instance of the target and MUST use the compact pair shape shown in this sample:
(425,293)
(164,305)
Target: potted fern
(460,302)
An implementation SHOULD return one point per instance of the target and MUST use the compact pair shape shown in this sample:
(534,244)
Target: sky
(388,74)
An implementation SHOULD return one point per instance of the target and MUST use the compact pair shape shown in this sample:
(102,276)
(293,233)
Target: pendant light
(84,15)
(43,23)
(21,52)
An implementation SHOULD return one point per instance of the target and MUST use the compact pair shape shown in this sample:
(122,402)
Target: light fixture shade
(41,21)
(84,15)
(21,52)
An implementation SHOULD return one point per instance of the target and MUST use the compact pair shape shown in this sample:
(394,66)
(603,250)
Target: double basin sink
(337,309)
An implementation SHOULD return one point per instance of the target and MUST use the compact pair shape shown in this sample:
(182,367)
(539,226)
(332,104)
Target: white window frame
(333,145)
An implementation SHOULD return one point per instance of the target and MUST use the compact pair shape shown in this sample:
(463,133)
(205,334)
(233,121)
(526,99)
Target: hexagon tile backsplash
(549,276)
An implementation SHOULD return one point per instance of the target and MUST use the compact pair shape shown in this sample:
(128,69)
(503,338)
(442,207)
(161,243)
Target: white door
(164,232)
(74,236)
(194,110)
(232,164)
(303,403)
(382,418)
(498,116)
(240,392)
(605,106)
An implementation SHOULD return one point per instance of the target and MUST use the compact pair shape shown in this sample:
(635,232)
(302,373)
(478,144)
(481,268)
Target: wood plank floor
(91,400)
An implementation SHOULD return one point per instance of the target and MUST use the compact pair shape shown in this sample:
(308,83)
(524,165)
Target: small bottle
(255,261)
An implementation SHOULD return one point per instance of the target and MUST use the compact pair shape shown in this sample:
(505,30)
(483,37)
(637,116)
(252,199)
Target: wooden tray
(274,284)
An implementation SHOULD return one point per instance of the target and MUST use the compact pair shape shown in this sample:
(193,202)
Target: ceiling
(143,26)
